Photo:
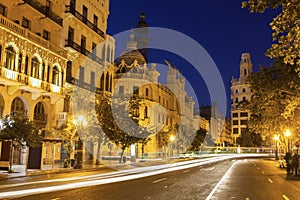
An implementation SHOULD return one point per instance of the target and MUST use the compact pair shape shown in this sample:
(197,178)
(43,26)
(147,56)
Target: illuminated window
(10,58)
(55,75)
(35,67)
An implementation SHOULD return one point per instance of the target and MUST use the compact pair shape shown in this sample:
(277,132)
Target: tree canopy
(20,129)
(274,105)
(285,26)
(119,121)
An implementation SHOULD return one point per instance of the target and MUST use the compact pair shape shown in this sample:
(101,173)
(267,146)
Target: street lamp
(276,139)
(172,138)
(287,134)
(80,121)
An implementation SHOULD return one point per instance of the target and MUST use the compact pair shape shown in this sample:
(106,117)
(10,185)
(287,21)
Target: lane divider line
(220,181)
(159,180)
(285,197)
(270,180)
(186,171)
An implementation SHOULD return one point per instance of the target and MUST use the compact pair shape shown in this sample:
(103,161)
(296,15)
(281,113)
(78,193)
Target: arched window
(110,84)
(102,82)
(39,116)
(17,106)
(108,54)
(43,71)
(107,81)
(10,58)
(147,92)
(69,72)
(55,75)
(146,112)
(103,52)
(35,67)
(20,63)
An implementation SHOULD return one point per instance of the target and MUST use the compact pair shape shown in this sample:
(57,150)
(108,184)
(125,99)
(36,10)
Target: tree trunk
(11,157)
(143,150)
(98,155)
(121,157)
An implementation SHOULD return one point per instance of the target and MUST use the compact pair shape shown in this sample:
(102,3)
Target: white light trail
(113,177)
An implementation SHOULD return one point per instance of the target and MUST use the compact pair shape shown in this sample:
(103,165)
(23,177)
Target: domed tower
(142,36)
(131,57)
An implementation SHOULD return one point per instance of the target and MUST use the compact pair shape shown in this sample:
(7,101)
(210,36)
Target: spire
(142,23)
(131,44)
(142,36)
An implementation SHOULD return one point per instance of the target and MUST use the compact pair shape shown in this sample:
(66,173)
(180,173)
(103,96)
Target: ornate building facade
(240,91)
(48,50)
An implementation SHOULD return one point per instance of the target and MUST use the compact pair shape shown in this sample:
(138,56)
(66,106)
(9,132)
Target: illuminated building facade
(240,91)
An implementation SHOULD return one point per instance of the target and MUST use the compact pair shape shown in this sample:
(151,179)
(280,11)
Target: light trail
(115,176)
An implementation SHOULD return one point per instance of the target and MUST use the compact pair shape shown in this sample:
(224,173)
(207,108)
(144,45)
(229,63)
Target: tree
(198,140)
(68,133)
(18,128)
(118,121)
(285,26)
(249,139)
(274,104)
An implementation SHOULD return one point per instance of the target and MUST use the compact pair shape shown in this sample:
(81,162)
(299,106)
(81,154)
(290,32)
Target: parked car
(282,162)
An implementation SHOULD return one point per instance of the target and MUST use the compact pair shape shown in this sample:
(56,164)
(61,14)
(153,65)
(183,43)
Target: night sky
(223,28)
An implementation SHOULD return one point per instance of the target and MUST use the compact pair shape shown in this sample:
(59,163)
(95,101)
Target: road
(226,179)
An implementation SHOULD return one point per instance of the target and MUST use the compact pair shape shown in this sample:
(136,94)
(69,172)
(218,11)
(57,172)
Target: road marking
(258,168)
(56,199)
(270,180)
(262,172)
(159,180)
(186,171)
(221,180)
(165,186)
(285,197)
(247,198)
(209,169)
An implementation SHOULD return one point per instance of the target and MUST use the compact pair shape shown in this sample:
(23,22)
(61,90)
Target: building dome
(131,54)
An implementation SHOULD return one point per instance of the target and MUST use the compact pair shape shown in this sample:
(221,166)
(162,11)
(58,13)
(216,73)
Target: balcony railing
(45,10)
(77,47)
(71,10)
(31,36)
(30,81)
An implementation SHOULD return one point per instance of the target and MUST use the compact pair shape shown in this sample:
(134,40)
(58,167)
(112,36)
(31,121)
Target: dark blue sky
(223,28)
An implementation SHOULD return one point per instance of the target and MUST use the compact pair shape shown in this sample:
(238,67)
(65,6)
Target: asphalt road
(231,179)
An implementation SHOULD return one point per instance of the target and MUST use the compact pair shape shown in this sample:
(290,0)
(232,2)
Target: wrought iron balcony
(79,16)
(80,49)
(45,10)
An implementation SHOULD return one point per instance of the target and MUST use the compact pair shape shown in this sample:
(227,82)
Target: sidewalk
(20,170)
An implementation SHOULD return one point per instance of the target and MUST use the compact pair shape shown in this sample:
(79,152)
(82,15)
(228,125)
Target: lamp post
(276,138)
(80,122)
(287,134)
(172,138)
